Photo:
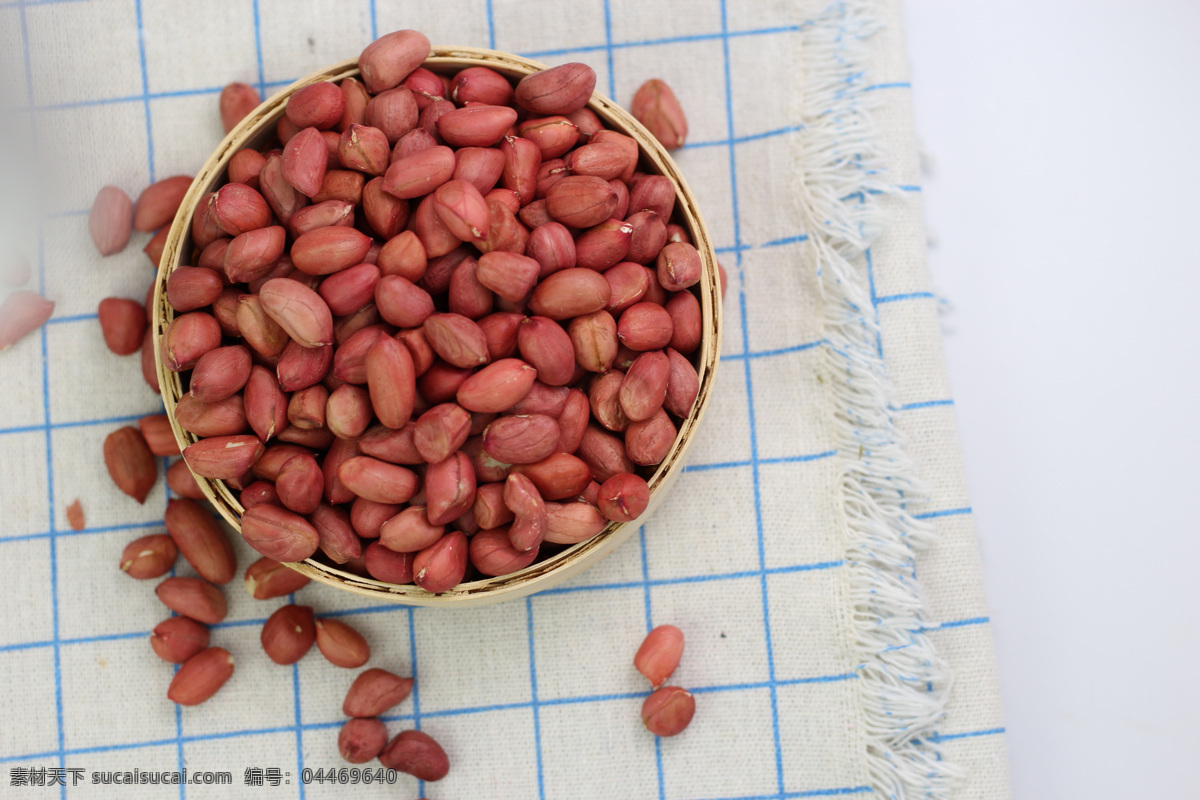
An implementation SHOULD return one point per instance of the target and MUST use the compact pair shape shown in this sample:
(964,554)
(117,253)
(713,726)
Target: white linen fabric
(818,553)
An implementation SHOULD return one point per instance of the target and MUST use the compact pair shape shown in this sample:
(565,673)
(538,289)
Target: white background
(1065,138)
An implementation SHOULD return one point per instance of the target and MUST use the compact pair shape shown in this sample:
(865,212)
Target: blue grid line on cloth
(748,376)
(179,761)
(53,542)
(646,584)
(949,512)
(892,298)
(948,737)
(258,51)
(533,700)
(416,683)
(648,606)
(416,715)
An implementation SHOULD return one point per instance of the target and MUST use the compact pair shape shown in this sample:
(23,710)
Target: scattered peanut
(201,677)
(667,711)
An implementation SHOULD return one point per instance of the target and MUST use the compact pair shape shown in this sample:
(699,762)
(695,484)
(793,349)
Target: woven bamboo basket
(258,129)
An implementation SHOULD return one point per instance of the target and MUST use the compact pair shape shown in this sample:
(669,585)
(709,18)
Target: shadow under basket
(257,130)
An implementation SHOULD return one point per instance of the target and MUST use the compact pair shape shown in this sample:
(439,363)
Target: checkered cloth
(826,656)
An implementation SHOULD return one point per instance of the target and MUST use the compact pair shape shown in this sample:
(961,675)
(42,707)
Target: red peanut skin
(329,213)
(237,100)
(201,677)
(361,740)
(645,385)
(349,359)
(648,441)
(258,493)
(123,323)
(157,204)
(462,209)
(377,480)
(188,337)
(288,634)
(367,516)
(623,497)
(628,284)
(300,484)
(476,126)
(338,539)
(667,711)
(659,654)
(375,691)
(223,457)
(646,326)
(130,463)
(238,208)
(394,446)
(245,167)
(409,530)
(324,251)
(559,476)
(552,246)
(570,293)
(401,302)
(558,90)
(683,385)
(181,481)
(149,556)
(603,398)
(267,578)
(581,201)
(604,453)
(266,404)
(489,508)
(416,754)
(500,331)
(191,288)
(176,639)
(493,554)
(497,387)
(573,421)
(441,431)
(542,399)
(686,323)
(387,215)
(318,105)
(201,540)
(441,566)
(569,523)
(529,509)
(388,566)
(449,489)
(388,60)
(523,439)
(193,597)
(457,339)
(110,222)
(279,534)
(341,645)
(391,381)
(545,345)
(302,367)
(419,174)
(656,107)
(223,418)
(554,135)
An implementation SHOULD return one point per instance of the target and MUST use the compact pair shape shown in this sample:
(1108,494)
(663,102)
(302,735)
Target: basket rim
(259,125)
